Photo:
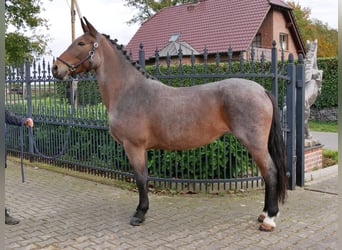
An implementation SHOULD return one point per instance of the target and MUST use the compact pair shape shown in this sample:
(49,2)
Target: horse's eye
(81,43)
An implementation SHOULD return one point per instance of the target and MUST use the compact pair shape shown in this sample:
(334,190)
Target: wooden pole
(72,9)
(78,9)
(74,86)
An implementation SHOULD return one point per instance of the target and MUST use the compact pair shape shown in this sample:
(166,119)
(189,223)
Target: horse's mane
(120,48)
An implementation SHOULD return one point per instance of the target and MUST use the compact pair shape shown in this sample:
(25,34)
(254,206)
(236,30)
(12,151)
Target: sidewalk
(62,212)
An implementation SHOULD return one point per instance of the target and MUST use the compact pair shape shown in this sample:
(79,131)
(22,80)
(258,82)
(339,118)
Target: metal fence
(71,128)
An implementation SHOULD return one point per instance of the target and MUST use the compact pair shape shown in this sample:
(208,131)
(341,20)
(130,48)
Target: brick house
(217,25)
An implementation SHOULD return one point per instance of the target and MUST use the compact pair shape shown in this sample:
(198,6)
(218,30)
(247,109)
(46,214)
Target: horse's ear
(92,31)
(84,26)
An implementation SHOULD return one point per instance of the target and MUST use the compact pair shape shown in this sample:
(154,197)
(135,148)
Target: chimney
(190,7)
(194,3)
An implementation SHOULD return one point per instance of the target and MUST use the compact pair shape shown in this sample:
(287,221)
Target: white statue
(313,83)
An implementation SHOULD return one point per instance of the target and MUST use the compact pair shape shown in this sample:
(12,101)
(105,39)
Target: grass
(330,157)
(323,126)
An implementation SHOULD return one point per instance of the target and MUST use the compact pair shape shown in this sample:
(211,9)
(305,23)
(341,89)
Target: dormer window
(174,37)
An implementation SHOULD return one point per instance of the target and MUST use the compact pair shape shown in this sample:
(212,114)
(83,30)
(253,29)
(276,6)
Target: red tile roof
(215,24)
(280,3)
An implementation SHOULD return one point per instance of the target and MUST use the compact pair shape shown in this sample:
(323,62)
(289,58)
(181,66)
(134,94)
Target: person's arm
(13,119)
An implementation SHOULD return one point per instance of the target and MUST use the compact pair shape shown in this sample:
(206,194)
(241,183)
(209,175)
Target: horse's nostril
(55,68)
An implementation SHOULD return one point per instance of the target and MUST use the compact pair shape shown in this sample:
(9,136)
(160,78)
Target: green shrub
(329,95)
(224,158)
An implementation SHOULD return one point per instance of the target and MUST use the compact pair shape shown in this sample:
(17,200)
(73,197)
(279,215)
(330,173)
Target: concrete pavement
(62,212)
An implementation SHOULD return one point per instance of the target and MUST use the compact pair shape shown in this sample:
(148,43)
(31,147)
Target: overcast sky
(110,17)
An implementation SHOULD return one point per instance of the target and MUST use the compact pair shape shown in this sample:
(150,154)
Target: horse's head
(79,56)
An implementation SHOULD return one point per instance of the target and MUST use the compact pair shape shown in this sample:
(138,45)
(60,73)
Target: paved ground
(62,212)
(329,140)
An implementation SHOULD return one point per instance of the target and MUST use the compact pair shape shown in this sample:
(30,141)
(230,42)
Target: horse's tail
(276,148)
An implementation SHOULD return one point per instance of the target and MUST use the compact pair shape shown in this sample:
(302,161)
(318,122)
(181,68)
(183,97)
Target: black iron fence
(71,128)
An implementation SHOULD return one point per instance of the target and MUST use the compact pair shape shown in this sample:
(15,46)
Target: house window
(283,41)
(257,41)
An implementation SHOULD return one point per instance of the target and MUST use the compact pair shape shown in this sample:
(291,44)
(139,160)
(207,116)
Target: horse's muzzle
(59,71)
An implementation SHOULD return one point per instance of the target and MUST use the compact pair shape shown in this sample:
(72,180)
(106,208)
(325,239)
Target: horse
(146,114)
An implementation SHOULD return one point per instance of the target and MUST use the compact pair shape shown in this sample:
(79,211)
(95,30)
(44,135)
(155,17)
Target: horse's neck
(115,75)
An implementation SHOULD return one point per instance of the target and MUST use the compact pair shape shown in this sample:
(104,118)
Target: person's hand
(28,122)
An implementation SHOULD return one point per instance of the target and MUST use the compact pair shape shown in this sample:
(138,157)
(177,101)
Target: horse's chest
(123,128)
(115,128)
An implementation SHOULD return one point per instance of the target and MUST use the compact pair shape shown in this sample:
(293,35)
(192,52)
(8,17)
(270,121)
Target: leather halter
(89,57)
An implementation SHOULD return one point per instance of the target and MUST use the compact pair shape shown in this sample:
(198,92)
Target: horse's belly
(189,125)
(187,138)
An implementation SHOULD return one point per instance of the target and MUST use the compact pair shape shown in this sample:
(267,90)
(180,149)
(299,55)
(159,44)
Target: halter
(89,57)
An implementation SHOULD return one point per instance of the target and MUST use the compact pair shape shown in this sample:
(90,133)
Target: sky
(110,17)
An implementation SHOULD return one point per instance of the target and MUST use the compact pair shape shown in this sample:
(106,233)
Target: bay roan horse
(146,114)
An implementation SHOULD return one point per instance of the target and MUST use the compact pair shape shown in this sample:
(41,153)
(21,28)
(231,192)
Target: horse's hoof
(266,228)
(261,218)
(135,221)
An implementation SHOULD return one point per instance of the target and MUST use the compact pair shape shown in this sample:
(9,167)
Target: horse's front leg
(137,158)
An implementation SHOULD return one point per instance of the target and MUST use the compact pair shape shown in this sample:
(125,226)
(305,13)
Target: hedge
(329,93)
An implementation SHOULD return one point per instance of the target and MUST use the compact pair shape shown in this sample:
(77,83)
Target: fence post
(291,122)
(29,101)
(300,99)
(142,56)
(274,68)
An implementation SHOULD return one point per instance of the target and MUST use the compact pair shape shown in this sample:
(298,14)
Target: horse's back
(240,87)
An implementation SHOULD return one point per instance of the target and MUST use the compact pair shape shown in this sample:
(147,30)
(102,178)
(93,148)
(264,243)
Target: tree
(327,39)
(147,8)
(21,17)
(315,29)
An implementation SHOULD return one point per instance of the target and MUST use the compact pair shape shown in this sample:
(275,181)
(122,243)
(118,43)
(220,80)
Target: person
(13,119)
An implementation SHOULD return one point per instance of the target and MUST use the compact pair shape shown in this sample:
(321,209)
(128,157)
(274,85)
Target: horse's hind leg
(137,158)
(271,208)
(269,172)
(262,158)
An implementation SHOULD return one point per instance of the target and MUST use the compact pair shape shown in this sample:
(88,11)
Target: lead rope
(36,149)
(47,156)
(34,142)
(22,153)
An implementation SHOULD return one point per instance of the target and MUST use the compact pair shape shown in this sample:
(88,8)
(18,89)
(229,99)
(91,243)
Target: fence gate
(71,128)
